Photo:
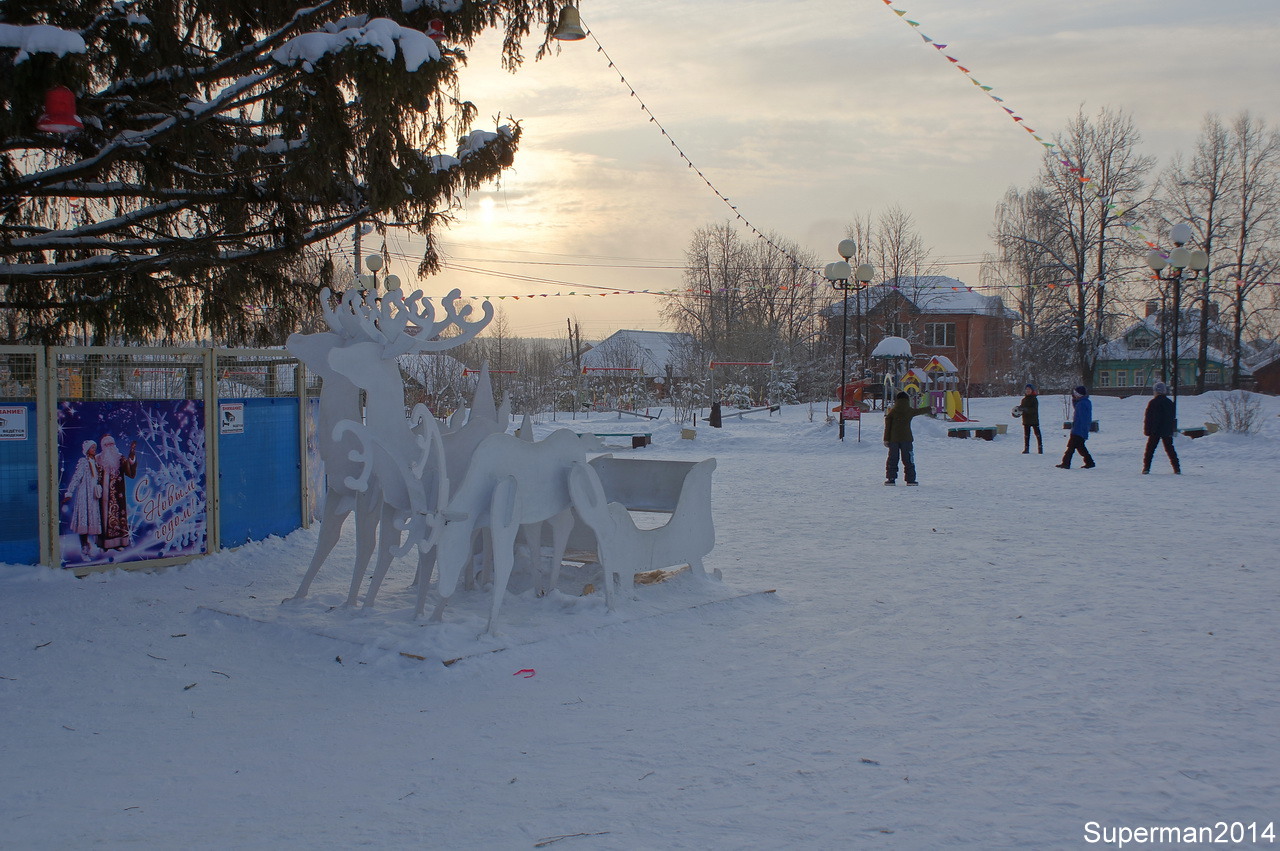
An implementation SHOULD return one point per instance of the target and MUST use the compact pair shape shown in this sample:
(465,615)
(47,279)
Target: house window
(897,329)
(1141,341)
(940,334)
(1104,378)
(1139,378)
(1212,376)
(1122,378)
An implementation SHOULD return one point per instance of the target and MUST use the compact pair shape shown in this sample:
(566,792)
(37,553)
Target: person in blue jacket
(1080,423)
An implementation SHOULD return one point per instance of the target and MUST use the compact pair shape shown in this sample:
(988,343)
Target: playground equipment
(849,399)
(913,383)
(944,395)
(894,355)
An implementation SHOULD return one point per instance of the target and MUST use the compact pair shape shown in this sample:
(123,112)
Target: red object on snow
(850,396)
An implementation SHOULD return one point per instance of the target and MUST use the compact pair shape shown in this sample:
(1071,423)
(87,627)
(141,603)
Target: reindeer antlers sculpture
(385,320)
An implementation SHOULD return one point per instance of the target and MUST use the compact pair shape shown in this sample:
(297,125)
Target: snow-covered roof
(919,375)
(1124,348)
(1266,357)
(892,347)
(941,363)
(930,294)
(652,351)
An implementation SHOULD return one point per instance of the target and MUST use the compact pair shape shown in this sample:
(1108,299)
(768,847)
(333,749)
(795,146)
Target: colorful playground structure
(943,394)
(849,400)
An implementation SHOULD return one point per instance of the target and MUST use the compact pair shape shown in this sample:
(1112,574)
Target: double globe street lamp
(1179,259)
(844,278)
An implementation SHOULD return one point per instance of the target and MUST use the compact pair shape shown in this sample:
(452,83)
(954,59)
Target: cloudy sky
(805,114)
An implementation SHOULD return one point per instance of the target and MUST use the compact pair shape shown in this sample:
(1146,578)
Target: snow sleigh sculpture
(606,490)
(445,489)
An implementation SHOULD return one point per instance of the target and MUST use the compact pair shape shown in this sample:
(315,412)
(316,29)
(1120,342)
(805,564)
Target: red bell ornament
(59,112)
(435,30)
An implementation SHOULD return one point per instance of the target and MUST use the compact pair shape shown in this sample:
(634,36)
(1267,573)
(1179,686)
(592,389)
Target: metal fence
(140,457)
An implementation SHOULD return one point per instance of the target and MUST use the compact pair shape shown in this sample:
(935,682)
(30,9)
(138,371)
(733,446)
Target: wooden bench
(638,438)
(986,432)
(1199,431)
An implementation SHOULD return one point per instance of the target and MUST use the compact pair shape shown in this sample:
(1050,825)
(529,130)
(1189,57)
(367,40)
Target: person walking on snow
(899,440)
(1158,425)
(1080,423)
(1029,410)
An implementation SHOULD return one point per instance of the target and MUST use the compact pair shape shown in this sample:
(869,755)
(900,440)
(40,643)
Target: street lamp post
(370,282)
(1179,258)
(845,278)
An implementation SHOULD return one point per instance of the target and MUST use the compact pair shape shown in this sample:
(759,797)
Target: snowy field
(996,659)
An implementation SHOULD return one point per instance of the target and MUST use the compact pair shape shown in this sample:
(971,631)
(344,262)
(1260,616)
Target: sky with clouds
(804,115)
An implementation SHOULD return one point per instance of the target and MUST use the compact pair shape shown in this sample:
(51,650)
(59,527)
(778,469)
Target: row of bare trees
(1071,247)
(762,300)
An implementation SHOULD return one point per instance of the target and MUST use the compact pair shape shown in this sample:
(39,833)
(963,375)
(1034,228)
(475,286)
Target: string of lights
(653,119)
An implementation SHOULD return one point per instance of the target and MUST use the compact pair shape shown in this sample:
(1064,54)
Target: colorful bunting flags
(1115,209)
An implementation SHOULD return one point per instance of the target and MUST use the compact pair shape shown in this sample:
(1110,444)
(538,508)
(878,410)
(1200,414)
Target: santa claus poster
(131,478)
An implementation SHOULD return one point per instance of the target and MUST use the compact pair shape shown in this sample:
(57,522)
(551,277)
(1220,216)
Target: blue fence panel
(19,485)
(259,469)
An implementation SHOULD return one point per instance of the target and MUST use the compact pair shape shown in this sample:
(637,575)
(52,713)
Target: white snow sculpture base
(389,634)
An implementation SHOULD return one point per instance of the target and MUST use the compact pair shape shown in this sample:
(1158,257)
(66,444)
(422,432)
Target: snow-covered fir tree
(222,137)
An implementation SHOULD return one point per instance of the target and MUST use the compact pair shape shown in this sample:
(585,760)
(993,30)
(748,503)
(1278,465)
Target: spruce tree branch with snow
(220,141)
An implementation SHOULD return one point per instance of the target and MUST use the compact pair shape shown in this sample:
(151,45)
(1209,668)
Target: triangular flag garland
(1114,208)
(818,280)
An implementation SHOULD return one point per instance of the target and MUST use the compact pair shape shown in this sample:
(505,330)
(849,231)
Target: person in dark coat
(1080,423)
(1029,410)
(1158,425)
(899,440)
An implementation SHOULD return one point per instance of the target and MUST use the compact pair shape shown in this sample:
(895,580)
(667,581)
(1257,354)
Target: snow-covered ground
(996,659)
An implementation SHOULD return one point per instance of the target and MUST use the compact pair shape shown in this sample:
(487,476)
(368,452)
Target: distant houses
(939,316)
(1266,369)
(653,358)
(1143,354)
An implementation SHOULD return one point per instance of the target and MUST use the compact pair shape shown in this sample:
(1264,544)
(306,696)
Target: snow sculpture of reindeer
(510,483)
(388,469)
(460,440)
(625,550)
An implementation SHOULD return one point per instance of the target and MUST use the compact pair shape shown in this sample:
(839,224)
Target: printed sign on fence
(13,422)
(132,481)
(231,418)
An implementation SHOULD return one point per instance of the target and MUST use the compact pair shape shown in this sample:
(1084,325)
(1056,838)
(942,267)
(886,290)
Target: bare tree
(1199,193)
(1025,272)
(1254,246)
(1095,160)
(896,248)
(745,301)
